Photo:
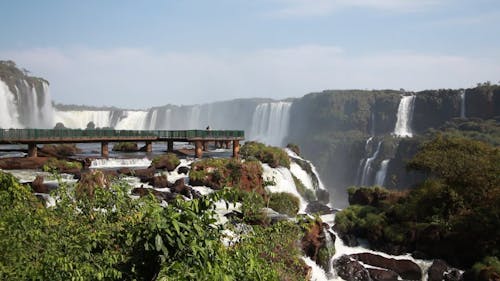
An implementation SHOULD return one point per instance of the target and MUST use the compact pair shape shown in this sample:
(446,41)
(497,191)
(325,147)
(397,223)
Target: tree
(91,125)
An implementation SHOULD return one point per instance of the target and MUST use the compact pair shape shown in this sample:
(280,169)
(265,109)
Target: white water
(79,119)
(133,120)
(283,180)
(119,163)
(302,175)
(270,123)
(367,169)
(404,117)
(8,111)
(462,104)
(382,172)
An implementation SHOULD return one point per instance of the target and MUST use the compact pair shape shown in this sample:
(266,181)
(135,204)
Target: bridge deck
(26,136)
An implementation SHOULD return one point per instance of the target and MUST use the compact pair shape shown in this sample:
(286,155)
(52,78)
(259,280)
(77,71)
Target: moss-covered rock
(167,162)
(126,147)
(62,166)
(274,156)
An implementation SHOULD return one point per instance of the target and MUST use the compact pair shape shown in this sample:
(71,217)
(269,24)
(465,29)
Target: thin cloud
(306,8)
(141,78)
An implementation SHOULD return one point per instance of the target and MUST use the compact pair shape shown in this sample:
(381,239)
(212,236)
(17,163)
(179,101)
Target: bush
(126,146)
(251,207)
(274,156)
(284,203)
(55,165)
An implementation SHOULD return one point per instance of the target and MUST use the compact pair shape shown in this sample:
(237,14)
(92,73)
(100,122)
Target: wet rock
(382,275)
(141,191)
(159,181)
(183,170)
(407,269)
(38,186)
(317,207)
(350,269)
(440,270)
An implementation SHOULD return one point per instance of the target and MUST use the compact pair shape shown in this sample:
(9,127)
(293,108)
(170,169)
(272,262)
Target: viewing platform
(200,138)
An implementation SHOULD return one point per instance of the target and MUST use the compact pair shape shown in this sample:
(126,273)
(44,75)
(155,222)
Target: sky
(140,54)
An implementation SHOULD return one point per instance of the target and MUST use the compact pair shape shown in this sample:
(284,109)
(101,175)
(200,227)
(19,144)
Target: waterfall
(382,172)
(152,121)
(404,117)
(367,169)
(462,104)
(78,119)
(270,122)
(133,120)
(362,161)
(8,111)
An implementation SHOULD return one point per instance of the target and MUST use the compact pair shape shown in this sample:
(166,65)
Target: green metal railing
(34,134)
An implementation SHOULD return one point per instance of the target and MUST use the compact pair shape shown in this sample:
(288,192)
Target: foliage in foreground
(452,215)
(109,236)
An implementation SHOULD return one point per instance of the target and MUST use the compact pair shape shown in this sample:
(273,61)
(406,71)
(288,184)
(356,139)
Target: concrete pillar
(149,147)
(32,150)
(236,148)
(227,143)
(170,146)
(104,149)
(198,149)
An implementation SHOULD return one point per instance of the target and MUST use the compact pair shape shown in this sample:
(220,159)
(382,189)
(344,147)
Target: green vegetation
(274,156)
(56,165)
(284,203)
(452,215)
(218,173)
(109,236)
(293,147)
(126,147)
(487,269)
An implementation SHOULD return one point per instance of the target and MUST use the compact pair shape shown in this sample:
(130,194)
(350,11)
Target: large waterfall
(270,122)
(404,117)
(25,104)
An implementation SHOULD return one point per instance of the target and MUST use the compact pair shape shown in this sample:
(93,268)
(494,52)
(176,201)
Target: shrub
(284,203)
(251,207)
(55,165)
(126,146)
(274,156)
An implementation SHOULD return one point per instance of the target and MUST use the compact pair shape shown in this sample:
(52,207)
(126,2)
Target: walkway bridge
(200,138)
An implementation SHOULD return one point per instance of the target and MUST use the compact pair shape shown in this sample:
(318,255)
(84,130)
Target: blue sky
(138,54)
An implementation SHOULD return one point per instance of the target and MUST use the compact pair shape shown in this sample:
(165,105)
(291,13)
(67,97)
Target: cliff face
(339,131)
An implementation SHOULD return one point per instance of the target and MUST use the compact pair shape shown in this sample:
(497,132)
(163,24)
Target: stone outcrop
(407,269)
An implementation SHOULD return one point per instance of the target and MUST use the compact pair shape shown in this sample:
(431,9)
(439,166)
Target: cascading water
(119,163)
(382,172)
(133,120)
(8,111)
(270,122)
(79,119)
(462,104)
(367,168)
(404,117)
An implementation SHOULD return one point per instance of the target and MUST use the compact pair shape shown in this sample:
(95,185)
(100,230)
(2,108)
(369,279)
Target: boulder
(183,170)
(316,207)
(382,275)
(440,270)
(38,186)
(159,181)
(350,269)
(407,269)
(141,191)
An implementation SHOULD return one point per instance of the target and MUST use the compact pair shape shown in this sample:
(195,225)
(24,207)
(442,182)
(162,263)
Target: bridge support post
(236,148)
(149,147)
(198,148)
(170,146)
(227,144)
(104,149)
(32,150)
